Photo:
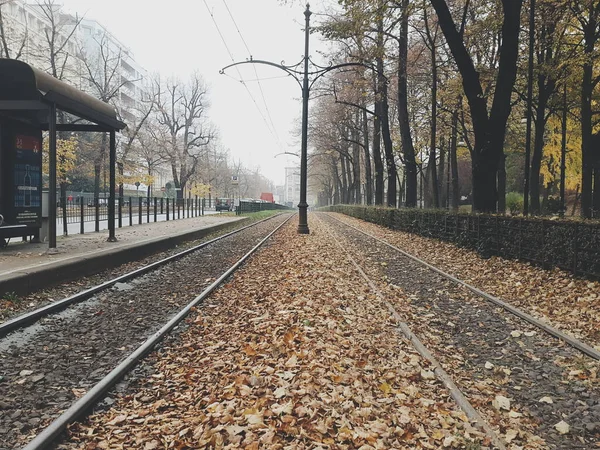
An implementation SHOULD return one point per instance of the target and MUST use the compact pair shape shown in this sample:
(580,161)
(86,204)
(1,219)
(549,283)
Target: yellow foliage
(550,169)
(66,156)
(199,189)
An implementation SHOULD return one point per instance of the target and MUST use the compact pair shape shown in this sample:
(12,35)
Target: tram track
(30,317)
(487,350)
(442,375)
(570,340)
(59,365)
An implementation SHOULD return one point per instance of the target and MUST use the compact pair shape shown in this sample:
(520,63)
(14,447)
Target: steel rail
(570,340)
(81,406)
(31,317)
(458,396)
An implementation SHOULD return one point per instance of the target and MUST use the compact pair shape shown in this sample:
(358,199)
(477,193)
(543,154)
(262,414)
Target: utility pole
(308,80)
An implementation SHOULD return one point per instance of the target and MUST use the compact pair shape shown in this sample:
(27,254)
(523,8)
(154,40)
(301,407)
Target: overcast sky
(178,37)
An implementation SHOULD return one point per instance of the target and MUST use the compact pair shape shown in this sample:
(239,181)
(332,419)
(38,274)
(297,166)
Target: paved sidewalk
(22,261)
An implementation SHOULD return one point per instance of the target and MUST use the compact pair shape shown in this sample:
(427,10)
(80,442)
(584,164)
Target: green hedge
(569,245)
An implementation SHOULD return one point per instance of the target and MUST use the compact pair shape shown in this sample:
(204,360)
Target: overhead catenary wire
(241,78)
(255,71)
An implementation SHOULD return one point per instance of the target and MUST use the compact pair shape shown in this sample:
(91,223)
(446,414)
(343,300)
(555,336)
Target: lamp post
(308,80)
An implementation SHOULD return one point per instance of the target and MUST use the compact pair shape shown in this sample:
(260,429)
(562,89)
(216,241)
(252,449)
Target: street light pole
(308,80)
(303,206)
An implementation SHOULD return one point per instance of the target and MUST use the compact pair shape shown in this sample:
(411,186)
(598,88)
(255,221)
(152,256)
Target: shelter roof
(25,88)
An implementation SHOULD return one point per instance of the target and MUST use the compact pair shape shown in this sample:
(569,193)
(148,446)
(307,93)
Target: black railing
(128,210)
(570,245)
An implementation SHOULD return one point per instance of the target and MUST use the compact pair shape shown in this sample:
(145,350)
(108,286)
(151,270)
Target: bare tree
(12,44)
(181,114)
(101,64)
(58,36)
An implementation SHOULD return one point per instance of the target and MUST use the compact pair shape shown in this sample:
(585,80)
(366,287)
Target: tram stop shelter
(29,101)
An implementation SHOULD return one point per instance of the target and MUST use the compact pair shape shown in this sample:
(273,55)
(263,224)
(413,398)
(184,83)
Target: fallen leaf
(280,392)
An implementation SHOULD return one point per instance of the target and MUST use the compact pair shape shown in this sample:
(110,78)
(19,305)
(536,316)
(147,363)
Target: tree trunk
(338,182)
(350,188)
(442,176)
(389,153)
(356,162)
(344,193)
(546,88)
(410,163)
(538,150)
(390,163)
(368,170)
(455,198)
(502,184)
(97,172)
(432,150)
(484,183)
(587,89)
(596,196)
(489,129)
(595,150)
(378,161)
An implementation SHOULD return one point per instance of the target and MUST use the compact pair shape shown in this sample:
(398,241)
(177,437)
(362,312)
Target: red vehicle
(267,197)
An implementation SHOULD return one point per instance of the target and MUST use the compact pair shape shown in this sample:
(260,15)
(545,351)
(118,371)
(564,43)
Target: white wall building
(99,45)
(26,27)
(292,186)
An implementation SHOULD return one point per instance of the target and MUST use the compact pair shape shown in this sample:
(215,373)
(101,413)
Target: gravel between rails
(559,297)
(294,353)
(466,332)
(34,300)
(47,366)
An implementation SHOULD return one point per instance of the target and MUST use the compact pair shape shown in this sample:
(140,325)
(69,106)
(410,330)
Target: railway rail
(30,317)
(570,340)
(454,390)
(548,375)
(64,362)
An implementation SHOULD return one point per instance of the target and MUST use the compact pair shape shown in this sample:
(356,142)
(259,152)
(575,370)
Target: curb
(31,279)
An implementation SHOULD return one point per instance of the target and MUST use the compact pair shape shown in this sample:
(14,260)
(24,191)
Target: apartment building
(80,46)
(292,186)
(99,45)
(86,55)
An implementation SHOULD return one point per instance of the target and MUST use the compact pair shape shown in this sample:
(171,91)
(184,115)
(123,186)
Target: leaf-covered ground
(294,352)
(528,385)
(569,303)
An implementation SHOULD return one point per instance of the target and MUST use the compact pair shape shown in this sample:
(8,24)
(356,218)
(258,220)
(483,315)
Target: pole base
(303,218)
(303,229)
(112,239)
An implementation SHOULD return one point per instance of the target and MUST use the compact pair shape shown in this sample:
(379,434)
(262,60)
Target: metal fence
(250,207)
(570,245)
(128,210)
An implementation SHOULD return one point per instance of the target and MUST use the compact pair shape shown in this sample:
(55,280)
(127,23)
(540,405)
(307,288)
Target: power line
(241,80)
(255,71)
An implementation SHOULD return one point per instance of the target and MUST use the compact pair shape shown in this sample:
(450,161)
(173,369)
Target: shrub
(514,203)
